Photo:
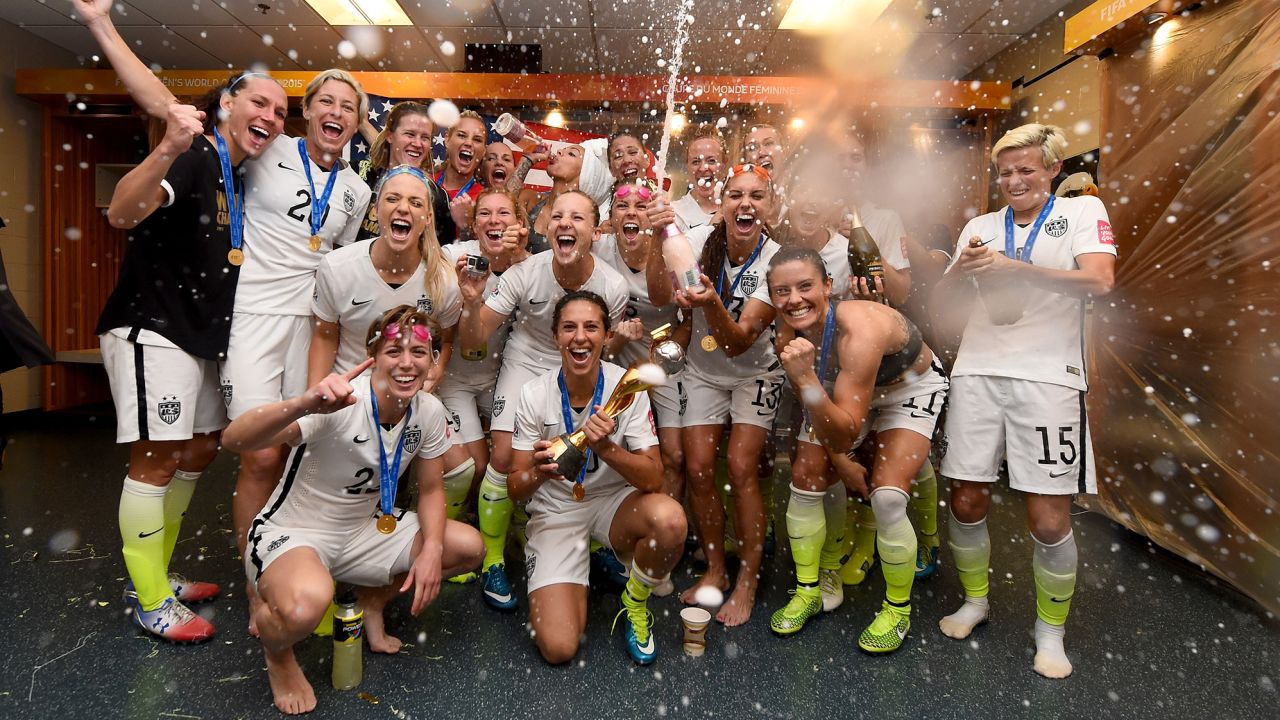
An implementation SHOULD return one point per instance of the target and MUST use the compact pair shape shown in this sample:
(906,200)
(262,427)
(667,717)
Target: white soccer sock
(1051,657)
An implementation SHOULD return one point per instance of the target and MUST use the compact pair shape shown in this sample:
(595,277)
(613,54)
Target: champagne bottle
(678,254)
(348,642)
(1004,303)
(509,127)
(864,255)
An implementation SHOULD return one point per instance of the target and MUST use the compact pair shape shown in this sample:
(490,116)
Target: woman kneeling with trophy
(590,470)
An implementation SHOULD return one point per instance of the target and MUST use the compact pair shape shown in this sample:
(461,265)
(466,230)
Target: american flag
(380,107)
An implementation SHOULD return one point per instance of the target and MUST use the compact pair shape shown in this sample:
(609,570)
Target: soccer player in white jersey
(331,517)
(704,165)
(501,228)
(732,376)
(857,366)
(528,291)
(616,499)
(404,265)
(1019,381)
(634,253)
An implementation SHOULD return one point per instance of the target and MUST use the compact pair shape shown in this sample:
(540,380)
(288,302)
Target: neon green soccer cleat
(804,604)
(886,632)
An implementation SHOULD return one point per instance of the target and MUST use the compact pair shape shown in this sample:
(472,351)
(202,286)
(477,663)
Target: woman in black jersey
(167,324)
(856,366)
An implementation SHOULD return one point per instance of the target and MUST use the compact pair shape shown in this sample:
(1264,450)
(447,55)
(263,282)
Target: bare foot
(737,609)
(255,603)
(718,580)
(289,687)
(375,635)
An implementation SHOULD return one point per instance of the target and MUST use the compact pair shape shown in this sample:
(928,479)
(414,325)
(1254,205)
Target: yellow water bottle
(348,642)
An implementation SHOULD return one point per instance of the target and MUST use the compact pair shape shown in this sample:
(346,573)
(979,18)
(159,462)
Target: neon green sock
(176,501)
(1054,567)
(834,502)
(457,483)
(142,534)
(855,569)
(896,541)
(495,517)
(924,501)
(971,552)
(640,584)
(806,528)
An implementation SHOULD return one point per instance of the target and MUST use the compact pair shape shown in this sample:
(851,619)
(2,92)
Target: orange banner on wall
(964,95)
(1098,18)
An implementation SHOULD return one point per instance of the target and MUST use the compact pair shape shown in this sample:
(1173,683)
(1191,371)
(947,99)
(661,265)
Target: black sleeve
(188,169)
(446,229)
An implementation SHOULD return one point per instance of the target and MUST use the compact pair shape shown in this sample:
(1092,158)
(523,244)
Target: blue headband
(404,170)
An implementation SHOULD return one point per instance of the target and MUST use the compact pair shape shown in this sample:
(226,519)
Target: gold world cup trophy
(666,357)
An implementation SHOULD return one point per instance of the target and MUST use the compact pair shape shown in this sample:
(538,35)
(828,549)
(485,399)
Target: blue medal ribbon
(235,195)
(321,203)
(567,412)
(1009,251)
(464,188)
(388,474)
(828,332)
(734,286)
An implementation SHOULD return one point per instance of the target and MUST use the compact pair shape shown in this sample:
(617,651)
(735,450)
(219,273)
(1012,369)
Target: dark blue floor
(1150,635)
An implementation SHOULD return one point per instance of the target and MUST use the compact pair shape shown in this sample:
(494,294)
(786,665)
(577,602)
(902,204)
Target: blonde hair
(343,76)
(522,215)
(707,131)
(470,115)
(1049,138)
(438,273)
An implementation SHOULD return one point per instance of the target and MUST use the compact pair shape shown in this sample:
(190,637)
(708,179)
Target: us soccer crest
(1056,227)
(226,394)
(169,409)
(348,200)
(424,305)
(749,283)
(412,437)
(498,405)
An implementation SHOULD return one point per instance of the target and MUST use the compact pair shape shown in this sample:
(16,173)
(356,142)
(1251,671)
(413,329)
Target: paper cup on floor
(695,621)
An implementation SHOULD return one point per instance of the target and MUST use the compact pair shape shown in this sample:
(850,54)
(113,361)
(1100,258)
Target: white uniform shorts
(465,405)
(912,404)
(715,400)
(363,556)
(668,402)
(1040,428)
(161,393)
(266,360)
(559,545)
(515,374)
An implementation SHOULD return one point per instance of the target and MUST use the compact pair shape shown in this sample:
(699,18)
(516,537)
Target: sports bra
(892,366)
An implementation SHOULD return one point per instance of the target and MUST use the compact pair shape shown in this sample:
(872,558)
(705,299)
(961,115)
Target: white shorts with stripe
(363,556)
(912,404)
(1040,428)
(160,392)
(266,360)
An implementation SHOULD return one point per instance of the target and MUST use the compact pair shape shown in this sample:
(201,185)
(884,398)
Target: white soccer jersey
(279,268)
(529,291)
(350,292)
(638,305)
(689,214)
(760,357)
(331,477)
(885,227)
(540,416)
(483,372)
(1047,343)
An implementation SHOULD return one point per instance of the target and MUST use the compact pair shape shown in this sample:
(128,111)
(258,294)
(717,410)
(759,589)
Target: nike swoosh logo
(902,634)
(145,535)
(1059,600)
(496,596)
(282,166)
(538,302)
(362,302)
(1060,473)
(359,441)
(647,647)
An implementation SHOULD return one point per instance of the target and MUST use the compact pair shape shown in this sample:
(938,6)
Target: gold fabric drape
(1185,387)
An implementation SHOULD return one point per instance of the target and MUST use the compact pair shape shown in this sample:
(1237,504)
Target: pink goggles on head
(644,192)
(420,332)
